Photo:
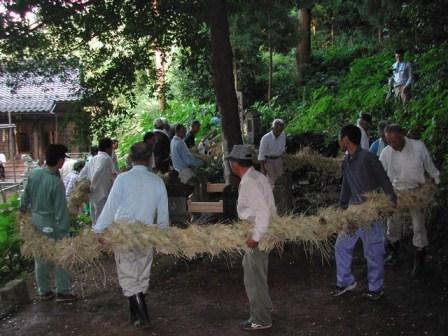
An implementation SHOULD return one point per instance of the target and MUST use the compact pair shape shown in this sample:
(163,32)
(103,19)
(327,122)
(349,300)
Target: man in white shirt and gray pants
(255,205)
(99,172)
(272,147)
(138,196)
(405,161)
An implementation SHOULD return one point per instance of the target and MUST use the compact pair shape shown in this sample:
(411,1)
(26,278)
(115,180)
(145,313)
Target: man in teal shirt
(45,195)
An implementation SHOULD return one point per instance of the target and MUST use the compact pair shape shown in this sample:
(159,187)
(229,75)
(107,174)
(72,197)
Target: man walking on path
(362,173)
(138,196)
(401,77)
(256,205)
(406,161)
(100,172)
(45,194)
(272,147)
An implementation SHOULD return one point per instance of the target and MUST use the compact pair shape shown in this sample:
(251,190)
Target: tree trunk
(223,80)
(161,78)
(380,35)
(304,46)
(270,62)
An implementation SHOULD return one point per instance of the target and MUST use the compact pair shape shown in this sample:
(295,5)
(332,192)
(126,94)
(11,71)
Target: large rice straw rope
(313,231)
(78,196)
(307,157)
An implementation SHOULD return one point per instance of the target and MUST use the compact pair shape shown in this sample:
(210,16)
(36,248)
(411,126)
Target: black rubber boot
(139,305)
(132,311)
(419,263)
(393,250)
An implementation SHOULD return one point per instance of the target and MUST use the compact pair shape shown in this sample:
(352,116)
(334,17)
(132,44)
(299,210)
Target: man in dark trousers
(190,138)
(161,147)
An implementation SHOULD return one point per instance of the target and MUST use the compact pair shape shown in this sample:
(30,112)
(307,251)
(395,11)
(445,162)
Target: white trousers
(395,229)
(134,270)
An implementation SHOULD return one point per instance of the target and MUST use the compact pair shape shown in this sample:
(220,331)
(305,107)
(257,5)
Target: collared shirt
(45,193)
(99,172)
(402,73)
(406,168)
(377,146)
(362,172)
(181,155)
(136,196)
(256,202)
(270,145)
(365,142)
(70,181)
(189,139)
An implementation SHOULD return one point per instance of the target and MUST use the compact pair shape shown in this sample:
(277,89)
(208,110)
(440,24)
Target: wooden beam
(215,187)
(206,207)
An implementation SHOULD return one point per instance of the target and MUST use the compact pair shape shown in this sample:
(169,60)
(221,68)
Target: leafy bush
(11,262)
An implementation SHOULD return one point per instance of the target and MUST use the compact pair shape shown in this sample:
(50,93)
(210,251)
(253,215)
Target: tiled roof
(36,95)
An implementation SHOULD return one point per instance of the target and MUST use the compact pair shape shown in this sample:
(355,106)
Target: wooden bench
(208,207)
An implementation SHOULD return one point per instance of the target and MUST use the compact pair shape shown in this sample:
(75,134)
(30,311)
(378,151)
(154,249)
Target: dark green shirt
(45,194)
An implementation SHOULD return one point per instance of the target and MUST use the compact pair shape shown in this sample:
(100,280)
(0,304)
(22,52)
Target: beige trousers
(134,270)
(395,229)
(403,94)
(274,169)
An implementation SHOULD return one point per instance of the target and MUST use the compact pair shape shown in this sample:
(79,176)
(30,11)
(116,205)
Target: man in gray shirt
(362,173)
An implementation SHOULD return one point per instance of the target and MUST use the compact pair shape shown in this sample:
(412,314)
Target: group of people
(395,162)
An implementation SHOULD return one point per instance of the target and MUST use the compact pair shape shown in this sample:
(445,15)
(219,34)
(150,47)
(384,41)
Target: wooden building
(39,112)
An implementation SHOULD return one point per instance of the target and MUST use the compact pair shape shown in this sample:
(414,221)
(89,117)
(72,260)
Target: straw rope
(313,232)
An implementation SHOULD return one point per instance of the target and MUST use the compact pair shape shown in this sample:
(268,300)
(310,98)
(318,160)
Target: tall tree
(303,56)
(223,79)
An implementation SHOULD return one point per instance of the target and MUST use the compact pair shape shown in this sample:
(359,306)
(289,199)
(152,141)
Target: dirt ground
(206,297)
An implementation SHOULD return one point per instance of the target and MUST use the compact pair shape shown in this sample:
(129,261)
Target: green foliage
(11,262)
(146,111)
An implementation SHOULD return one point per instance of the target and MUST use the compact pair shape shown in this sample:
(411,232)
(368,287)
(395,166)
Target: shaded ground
(207,298)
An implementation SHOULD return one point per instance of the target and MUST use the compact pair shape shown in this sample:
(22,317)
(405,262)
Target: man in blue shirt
(183,160)
(362,173)
(379,144)
(401,77)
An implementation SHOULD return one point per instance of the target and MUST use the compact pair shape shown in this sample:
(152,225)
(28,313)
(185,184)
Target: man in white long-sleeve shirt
(136,196)
(255,205)
(99,172)
(272,147)
(405,161)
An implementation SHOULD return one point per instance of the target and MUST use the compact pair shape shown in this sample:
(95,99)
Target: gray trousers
(255,266)
(274,169)
(96,208)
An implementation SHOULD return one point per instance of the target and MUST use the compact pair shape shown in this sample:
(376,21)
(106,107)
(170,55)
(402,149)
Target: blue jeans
(373,245)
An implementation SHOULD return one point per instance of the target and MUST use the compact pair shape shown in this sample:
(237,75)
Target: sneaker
(252,326)
(373,296)
(47,296)
(342,290)
(66,298)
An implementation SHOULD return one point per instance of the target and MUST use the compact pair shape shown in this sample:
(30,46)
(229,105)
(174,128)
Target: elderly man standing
(272,147)
(100,171)
(45,193)
(183,160)
(161,147)
(363,123)
(406,161)
(362,173)
(256,205)
(138,196)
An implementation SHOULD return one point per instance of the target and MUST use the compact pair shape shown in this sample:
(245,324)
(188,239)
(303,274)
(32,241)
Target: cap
(240,152)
